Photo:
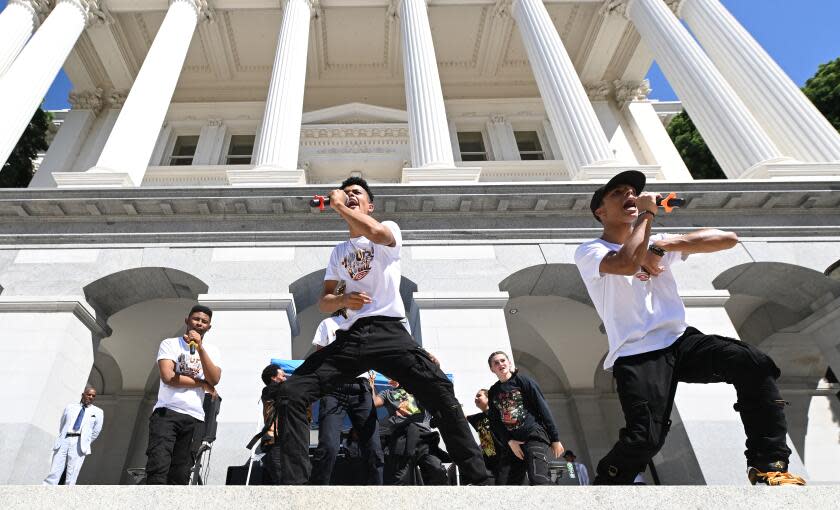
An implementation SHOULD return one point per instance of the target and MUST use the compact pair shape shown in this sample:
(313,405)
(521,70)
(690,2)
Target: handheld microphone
(670,202)
(193,345)
(319,202)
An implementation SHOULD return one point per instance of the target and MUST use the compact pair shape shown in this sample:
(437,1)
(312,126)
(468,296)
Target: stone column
(461,329)
(59,335)
(649,131)
(17,22)
(792,121)
(276,153)
(65,148)
(126,155)
(431,150)
(579,134)
(736,139)
(248,330)
(714,429)
(25,83)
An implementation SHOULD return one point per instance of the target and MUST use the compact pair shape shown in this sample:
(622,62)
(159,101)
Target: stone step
(395,498)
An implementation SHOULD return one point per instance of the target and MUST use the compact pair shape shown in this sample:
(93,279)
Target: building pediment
(355,113)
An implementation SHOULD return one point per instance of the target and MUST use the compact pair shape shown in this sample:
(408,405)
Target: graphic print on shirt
(485,437)
(189,365)
(406,402)
(511,408)
(357,262)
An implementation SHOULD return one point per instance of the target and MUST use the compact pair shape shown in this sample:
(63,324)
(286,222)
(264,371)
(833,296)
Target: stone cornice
(251,302)
(460,300)
(57,304)
(704,298)
(529,211)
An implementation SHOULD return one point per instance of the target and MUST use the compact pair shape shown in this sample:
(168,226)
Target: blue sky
(799,34)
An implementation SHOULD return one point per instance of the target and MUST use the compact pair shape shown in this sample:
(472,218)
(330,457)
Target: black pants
(647,383)
(513,470)
(353,399)
(271,465)
(171,451)
(383,344)
(400,468)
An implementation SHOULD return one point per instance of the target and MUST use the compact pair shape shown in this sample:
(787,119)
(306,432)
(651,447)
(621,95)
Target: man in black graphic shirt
(372,337)
(495,452)
(520,416)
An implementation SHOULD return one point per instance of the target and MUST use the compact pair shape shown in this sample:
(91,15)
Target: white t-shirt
(184,400)
(370,268)
(640,314)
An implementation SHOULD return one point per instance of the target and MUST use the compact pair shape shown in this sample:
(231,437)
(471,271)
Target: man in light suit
(81,424)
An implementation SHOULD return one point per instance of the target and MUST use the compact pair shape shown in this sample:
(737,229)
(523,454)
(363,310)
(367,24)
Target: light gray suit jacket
(90,429)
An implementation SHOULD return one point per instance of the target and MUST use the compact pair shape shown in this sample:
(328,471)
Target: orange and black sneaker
(774,473)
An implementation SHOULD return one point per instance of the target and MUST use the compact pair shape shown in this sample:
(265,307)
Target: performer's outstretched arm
(706,240)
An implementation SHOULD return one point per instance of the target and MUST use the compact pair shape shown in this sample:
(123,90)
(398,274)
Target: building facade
(200,129)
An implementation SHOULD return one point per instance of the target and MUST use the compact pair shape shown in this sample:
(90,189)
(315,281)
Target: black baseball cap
(568,453)
(632,178)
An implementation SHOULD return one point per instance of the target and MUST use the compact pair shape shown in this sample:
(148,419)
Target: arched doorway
(793,314)
(142,306)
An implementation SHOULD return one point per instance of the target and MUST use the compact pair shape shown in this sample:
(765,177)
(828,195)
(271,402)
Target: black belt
(73,434)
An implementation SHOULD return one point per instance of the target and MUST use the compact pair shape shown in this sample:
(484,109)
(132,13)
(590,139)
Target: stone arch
(791,312)
(547,280)
(554,302)
(122,289)
(142,305)
(105,375)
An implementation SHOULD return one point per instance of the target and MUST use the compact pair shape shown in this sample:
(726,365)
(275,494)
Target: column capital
(38,8)
(203,8)
(502,8)
(619,7)
(598,91)
(115,98)
(497,118)
(87,100)
(629,91)
(93,11)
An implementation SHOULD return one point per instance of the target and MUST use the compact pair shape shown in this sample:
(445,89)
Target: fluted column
(26,82)
(276,153)
(578,132)
(125,157)
(739,144)
(427,126)
(17,22)
(792,121)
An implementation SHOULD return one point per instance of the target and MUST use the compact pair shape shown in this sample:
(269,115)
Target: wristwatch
(656,250)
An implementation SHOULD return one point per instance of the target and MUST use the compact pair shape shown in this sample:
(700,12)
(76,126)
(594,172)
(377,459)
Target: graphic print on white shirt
(188,364)
(184,400)
(370,268)
(358,262)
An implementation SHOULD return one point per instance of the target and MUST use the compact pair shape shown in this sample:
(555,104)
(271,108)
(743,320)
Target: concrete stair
(393,498)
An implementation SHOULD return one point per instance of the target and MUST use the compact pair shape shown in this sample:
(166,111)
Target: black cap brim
(633,178)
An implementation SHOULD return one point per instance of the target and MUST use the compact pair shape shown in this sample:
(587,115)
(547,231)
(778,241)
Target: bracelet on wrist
(656,250)
(653,215)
